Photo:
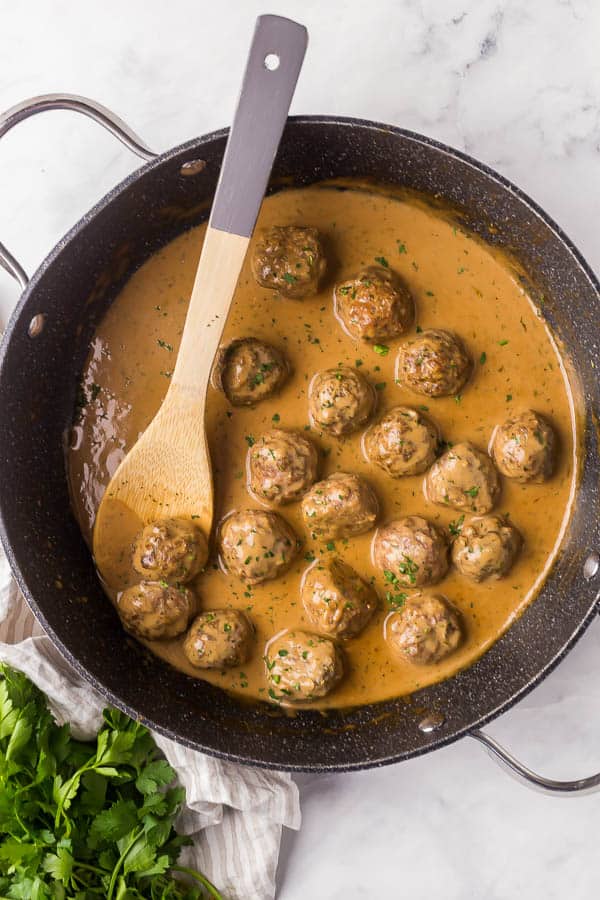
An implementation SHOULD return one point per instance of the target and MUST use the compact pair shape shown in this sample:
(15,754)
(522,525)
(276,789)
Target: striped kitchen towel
(234,813)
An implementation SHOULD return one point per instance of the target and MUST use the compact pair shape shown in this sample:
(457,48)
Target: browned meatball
(281,466)
(336,599)
(523,447)
(374,305)
(465,478)
(340,400)
(256,545)
(155,610)
(340,506)
(486,547)
(302,666)
(219,639)
(434,363)
(173,550)
(289,259)
(424,630)
(249,370)
(411,552)
(403,442)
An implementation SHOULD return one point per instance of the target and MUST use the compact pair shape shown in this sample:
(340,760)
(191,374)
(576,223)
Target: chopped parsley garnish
(409,568)
(165,345)
(381,349)
(418,329)
(395,601)
(330,546)
(483,358)
(401,247)
(508,398)
(275,417)
(472,491)
(358,363)
(289,278)
(503,343)
(380,386)
(283,652)
(455,527)
(382,261)
(250,440)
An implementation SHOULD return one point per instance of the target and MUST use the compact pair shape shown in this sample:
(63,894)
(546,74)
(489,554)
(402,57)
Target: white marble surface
(516,84)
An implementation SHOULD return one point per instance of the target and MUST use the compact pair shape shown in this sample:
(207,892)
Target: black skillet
(42,354)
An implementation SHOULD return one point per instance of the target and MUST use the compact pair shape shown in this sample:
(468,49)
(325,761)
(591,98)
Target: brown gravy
(458,284)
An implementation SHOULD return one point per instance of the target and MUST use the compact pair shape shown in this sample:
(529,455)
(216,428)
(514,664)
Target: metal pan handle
(521,772)
(73,102)
(537,782)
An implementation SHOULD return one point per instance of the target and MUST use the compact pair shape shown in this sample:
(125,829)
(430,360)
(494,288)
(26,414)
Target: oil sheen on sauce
(458,284)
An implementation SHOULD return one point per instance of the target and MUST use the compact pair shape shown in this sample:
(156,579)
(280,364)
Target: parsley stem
(81,865)
(113,878)
(201,878)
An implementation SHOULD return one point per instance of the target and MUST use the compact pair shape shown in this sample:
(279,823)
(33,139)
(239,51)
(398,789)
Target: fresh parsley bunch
(82,821)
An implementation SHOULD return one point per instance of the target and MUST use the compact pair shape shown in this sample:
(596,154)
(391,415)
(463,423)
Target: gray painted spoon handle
(274,63)
(273,67)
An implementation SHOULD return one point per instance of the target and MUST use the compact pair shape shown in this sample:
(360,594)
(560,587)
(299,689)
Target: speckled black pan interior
(38,381)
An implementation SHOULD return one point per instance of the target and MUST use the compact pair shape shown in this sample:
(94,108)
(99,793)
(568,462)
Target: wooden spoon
(168,471)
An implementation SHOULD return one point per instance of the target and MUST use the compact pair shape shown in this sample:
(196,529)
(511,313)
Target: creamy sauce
(458,284)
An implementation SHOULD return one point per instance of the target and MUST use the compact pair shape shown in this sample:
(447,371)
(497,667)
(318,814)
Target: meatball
(434,363)
(486,547)
(302,666)
(341,506)
(523,447)
(411,552)
(219,639)
(340,400)
(403,442)
(248,371)
(465,478)
(172,550)
(281,466)
(374,305)
(155,610)
(289,259)
(424,630)
(256,545)
(336,599)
